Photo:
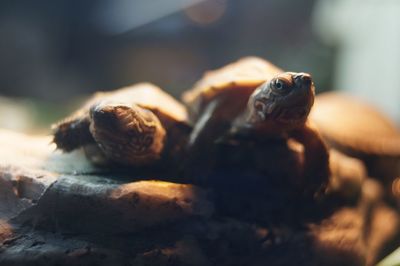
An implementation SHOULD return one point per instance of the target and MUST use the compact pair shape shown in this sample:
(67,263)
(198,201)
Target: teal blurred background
(54,53)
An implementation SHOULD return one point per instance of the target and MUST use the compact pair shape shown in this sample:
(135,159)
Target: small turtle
(347,176)
(135,126)
(359,130)
(254,99)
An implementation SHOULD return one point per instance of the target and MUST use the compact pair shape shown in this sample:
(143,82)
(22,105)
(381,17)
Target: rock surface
(57,209)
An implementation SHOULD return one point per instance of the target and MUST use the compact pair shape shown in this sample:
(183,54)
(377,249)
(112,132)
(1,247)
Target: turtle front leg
(316,171)
(201,148)
(127,134)
(73,132)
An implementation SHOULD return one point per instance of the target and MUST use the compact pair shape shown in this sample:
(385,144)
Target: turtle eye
(279,86)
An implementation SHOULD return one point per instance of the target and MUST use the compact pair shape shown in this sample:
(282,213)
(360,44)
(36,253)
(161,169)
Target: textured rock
(57,209)
(105,205)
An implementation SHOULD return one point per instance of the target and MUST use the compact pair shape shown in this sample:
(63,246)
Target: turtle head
(284,102)
(127,134)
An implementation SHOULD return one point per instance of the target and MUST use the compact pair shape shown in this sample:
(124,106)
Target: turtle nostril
(306,79)
(303,79)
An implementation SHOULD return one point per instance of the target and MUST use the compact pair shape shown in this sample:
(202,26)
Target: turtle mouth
(294,107)
(283,113)
(290,115)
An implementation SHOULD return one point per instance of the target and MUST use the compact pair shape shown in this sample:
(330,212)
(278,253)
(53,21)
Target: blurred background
(53,53)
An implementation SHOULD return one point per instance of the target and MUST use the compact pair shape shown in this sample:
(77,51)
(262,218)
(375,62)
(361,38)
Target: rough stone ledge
(57,209)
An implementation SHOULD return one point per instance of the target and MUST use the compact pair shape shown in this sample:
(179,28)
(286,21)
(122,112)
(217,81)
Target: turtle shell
(354,126)
(242,76)
(73,131)
(146,95)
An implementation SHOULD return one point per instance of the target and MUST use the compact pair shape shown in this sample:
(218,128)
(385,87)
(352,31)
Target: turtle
(348,174)
(360,130)
(138,125)
(253,99)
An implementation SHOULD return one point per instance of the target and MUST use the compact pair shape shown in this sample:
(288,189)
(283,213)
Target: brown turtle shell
(245,75)
(73,131)
(146,95)
(354,126)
